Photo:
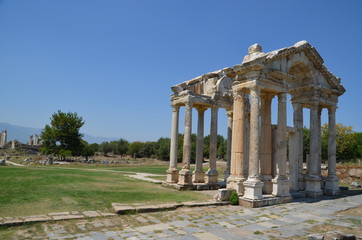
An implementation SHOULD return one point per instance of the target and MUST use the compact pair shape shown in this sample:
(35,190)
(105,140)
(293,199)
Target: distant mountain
(22,133)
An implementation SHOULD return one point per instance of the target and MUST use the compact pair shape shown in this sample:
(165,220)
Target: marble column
(320,147)
(198,174)
(228,146)
(298,124)
(281,182)
(253,185)
(266,144)
(313,180)
(236,178)
(172,172)
(185,175)
(212,174)
(331,187)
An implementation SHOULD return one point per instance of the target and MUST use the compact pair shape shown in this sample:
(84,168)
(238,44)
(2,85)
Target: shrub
(234,198)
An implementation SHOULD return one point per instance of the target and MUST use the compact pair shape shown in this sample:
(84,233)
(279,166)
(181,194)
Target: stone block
(91,214)
(253,189)
(281,187)
(122,209)
(39,218)
(335,235)
(67,217)
(224,194)
(185,177)
(315,237)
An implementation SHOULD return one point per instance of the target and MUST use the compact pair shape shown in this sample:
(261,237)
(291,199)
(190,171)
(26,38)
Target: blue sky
(113,62)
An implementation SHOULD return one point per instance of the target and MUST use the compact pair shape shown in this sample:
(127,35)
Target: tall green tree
(62,136)
(346,142)
(105,148)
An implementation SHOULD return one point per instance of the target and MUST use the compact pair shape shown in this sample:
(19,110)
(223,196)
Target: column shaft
(237,144)
(298,124)
(266,144)
(185,175)
(187,137)
(281,184)
(282,135)
(313,180)
(319,142)
(198,174)
(174,136)
(172,172)
(253,186)
(212,174)
(228,146)
(331,187)
(314,152)
(255,124)
(332,141)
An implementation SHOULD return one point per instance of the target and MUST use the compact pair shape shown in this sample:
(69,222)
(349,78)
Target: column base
(172,175)
(211,176)
(198,176)
(331,186)
(236,183)
(281,187)
(313,186)
(301,182)
(185,177)
(226,175)
(253,189)
(268,185)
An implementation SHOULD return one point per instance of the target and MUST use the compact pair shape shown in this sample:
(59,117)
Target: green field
(28,191)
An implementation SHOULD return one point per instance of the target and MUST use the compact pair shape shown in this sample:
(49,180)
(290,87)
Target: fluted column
(253,186)
(281,182)
(313,185)
(172,172)
(331,187)
(298,124)
(198,174)
(228,146)
(266,144)
(236,178)
(185,175)
(212,174)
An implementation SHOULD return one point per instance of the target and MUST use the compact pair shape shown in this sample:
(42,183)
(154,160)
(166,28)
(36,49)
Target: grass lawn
(28,191)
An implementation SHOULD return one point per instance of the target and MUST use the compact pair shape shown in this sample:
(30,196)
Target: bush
(234,198)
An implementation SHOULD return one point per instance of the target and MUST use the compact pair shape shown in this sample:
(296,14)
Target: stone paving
(286,221)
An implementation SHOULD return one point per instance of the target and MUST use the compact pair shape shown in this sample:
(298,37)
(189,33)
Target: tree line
(62,138)
(159,149)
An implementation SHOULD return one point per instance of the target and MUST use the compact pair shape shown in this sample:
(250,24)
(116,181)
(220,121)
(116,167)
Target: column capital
(238,95)
(175,108)
(255,91)
(282,97)
(188,105)
(314,105)
(332,109)
(267,97)
(201,109)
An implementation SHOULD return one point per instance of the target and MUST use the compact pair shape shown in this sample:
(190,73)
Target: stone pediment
(298,70)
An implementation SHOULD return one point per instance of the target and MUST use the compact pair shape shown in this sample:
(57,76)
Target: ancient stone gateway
(257,150)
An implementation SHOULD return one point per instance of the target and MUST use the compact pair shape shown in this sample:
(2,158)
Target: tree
(105,147)
(88,150)
(122,146)
(147,150)
(162,149)
(134,149)
(346,142)
(62,136)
